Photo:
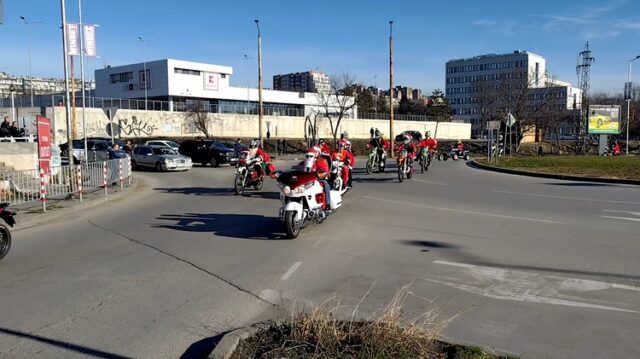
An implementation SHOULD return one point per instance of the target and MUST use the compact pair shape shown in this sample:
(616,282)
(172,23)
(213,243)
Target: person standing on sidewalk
(284,146)
(278,148)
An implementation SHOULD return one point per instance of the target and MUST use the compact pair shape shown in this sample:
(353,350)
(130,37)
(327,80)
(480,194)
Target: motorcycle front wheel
(238,184)
(291,226)
(423,165)
(369,167)
(258,185)
(5,241)
(400,173)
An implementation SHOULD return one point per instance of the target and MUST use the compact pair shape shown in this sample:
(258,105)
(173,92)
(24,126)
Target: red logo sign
(44,143)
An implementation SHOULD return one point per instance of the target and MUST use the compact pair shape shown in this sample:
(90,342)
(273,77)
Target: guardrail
(30,138)
(18,187)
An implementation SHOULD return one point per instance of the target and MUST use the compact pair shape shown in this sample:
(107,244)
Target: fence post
(130,170)
(120,171)
(79,175)
(104,174)
(43,191)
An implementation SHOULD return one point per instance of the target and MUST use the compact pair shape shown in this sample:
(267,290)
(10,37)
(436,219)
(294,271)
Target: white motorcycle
(303,200)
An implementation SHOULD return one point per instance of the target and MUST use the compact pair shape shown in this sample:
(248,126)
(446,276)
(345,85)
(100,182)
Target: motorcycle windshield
(295,179)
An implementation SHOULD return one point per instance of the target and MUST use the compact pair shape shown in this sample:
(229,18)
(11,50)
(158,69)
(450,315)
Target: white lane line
(317,243)
(563,197)
(499,283)
(463,211)
(291,270)
(622,218)
(429,182)
(617,211)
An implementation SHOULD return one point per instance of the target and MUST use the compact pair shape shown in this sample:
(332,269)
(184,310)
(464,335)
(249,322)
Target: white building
(175,84)
(464,75)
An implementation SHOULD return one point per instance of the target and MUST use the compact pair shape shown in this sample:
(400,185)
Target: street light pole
(629,101)
(28,23)
(260,108)
(82,50)
(391,138)
(246,63)
(63,15)
(144,67)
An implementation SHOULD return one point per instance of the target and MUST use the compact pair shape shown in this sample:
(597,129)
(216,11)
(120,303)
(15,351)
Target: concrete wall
(146,124)
(19,155)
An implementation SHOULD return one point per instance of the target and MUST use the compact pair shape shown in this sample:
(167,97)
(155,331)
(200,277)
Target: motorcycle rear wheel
(291,226)
(238,184)
(5,241)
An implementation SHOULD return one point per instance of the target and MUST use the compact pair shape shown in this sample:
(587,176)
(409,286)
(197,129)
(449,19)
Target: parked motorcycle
(425,159)
(249,173)
(404,166)
(376,161)
(455,154)
(303,201)
(5,234)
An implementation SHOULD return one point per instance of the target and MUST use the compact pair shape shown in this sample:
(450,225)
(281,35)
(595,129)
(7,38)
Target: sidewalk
(30,214)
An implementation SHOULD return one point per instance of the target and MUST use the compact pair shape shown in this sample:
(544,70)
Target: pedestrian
(278,148)
(16,131)
(284,146)
(128,147)
(5,128)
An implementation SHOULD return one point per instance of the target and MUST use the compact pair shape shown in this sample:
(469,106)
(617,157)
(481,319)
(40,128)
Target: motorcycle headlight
(285,189)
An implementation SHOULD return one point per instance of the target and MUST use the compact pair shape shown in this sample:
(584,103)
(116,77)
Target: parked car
(232,146)
(208,152)
(97,147)
(163,143)
(159,157)
(416,136)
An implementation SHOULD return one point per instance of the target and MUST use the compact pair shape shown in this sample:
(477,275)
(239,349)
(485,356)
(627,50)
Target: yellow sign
(604,119)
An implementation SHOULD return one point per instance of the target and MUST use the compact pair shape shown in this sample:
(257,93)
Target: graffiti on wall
(135,127)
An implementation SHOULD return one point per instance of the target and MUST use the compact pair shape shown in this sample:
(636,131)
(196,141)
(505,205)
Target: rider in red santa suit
(314,163)
(429,143)
(346,157)
(411,149)
(258,154)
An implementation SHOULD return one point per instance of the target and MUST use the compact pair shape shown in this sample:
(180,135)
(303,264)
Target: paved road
(536,267)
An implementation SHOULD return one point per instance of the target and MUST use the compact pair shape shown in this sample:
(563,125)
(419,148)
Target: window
(121,77)
(186,71)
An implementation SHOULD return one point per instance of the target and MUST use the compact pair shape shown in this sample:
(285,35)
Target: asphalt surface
(531,266)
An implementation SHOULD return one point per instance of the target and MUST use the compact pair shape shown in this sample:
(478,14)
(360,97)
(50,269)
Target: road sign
(604,119)
(493,125)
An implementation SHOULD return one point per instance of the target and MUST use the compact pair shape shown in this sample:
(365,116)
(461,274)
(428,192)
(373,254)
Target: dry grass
(323,333)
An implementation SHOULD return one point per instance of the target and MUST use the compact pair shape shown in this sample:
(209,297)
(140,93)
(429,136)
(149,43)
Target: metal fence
(17,187)
(400,117)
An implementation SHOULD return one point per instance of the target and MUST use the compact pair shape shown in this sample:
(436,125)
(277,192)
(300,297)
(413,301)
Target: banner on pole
(89,37)
(73,40)
(44,143)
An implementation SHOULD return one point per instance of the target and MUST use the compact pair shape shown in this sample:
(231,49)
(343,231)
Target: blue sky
(334,36)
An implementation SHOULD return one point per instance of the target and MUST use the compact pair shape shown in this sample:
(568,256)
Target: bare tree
(338,101)
(198,115)
(311,128)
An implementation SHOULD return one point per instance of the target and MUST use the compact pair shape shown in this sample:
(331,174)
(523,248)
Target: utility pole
(584,83)
(63,15)
(391,138)
(629,90)
(260,108)
(82,50)
(144,68)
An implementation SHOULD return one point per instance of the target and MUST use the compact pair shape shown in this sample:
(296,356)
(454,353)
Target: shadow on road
(63,345)
(428,244)
(202,348)
(245,226)
(374,179)
(208,191)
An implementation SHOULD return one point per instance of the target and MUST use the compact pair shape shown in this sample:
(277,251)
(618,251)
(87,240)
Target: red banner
(44,143)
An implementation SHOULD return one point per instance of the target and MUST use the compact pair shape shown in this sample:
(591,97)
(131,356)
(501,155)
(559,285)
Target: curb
(38,219)
(229,342)
(552,176)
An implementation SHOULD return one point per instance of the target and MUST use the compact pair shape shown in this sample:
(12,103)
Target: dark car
(208,152)
(416,136)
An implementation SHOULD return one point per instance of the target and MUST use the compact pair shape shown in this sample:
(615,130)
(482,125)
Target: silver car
(160,158)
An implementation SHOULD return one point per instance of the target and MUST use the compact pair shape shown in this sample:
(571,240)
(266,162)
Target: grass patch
(627,167)
(388,334)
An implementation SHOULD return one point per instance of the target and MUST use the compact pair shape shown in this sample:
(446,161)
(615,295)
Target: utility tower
(583,69)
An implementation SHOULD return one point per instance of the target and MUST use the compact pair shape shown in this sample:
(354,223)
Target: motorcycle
(5,234)
(303,201)
(336,180)
(404,166)
(455,154)
(425,159)
(249,173)
(377,160)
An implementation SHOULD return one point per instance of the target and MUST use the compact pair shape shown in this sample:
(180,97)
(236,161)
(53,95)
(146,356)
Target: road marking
(464,211)
(291,270)
(270,295)
(317,243)
(563,197)
(427,181)
(503,284)
(633,219)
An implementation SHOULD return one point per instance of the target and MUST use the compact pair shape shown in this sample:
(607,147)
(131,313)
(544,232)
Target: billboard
(604,119)
(44,143)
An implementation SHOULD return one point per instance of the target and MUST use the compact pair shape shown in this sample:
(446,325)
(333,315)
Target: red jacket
(260,152)
(429,143)
(412,150)
(325,148)
(321,165)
